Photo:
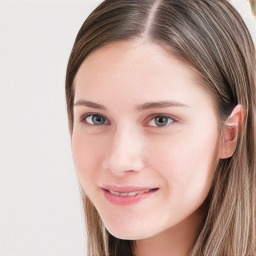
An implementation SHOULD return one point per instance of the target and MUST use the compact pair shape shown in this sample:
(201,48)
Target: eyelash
(171,120)
(83,119)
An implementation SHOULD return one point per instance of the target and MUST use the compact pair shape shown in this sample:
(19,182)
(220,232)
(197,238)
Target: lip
(126,189)
(127,199)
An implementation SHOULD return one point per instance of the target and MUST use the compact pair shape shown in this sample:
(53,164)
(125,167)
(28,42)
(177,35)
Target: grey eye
(95,119)
(160,121)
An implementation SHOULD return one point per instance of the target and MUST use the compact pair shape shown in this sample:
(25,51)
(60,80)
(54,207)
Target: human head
(210,37)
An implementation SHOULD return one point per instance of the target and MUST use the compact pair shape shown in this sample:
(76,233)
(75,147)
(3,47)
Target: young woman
(161,105)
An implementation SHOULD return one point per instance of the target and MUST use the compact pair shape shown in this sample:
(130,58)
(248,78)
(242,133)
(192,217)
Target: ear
(230,131)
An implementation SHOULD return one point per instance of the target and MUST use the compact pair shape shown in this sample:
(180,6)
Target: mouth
(127,195)
(134,193)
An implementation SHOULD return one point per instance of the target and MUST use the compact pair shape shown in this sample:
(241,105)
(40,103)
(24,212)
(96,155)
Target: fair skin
(154,127)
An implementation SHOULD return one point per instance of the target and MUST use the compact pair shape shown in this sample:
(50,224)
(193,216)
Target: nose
(125,153)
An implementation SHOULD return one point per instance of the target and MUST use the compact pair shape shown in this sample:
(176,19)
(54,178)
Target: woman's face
(145,138)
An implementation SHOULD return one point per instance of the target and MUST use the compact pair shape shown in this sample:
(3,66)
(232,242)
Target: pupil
(98,119)
(161,121)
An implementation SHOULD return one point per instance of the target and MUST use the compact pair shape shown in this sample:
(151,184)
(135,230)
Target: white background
(40,206)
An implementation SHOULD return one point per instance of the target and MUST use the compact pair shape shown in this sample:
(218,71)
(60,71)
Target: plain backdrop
(40,205)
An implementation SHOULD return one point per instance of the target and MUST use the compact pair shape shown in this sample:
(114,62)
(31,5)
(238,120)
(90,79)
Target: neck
(177,240)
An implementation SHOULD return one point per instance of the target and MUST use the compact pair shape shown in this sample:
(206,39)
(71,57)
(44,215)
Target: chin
(123,236)
(129,233)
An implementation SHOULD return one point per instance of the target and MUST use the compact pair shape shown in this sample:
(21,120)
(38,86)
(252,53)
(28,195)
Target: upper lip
(126,189)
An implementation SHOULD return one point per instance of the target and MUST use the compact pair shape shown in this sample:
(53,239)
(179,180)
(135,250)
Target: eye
(161,121)
(95,119)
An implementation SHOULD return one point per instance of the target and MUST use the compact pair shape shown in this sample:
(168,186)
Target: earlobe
(230,131)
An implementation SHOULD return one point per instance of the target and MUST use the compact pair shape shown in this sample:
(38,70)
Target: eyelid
(83,118)
(151,117)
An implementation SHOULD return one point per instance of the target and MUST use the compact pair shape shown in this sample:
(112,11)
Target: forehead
(138,70)
(146,56)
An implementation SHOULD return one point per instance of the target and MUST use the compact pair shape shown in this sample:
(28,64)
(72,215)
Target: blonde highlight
(211,37)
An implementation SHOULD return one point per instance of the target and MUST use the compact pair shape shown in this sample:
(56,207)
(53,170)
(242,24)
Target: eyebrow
(160,104)
(90,104)
(145,106)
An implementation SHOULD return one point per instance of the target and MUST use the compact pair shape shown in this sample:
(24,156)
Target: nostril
(120,166)
(125,154)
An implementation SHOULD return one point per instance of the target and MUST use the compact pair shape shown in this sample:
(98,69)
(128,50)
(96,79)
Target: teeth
(129,193)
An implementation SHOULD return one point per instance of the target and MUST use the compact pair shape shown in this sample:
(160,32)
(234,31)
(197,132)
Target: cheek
(86,157)
(187,162)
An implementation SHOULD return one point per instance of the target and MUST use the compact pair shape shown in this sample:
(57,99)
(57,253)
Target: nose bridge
(125,138)
(125,152)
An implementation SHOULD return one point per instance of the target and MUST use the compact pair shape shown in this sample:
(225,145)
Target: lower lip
(127,200)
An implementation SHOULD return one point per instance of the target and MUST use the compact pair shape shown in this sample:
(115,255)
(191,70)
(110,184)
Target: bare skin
(142,120)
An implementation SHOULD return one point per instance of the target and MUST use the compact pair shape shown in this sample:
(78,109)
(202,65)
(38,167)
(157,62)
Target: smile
(129,193)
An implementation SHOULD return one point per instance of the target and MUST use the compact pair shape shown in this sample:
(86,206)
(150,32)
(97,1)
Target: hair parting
(211,37)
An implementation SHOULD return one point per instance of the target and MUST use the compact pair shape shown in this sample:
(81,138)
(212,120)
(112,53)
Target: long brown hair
(212,38)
